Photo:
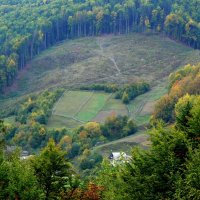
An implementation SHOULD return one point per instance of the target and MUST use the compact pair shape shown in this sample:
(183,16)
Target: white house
(119,158)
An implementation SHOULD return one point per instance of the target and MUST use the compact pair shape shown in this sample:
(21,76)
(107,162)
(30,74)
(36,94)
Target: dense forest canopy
(27,26)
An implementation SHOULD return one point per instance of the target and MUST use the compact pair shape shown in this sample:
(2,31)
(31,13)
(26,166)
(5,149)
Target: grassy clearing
(90,60)
(142,106)
(112,106)
(84,106)
(92,107)
(71,102)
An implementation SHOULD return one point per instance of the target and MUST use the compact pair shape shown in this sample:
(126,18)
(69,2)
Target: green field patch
(114,104)
(71,102)
(142,106)
(142,120)
(93,106)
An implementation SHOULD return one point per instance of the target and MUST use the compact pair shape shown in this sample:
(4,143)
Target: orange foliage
(83,134)
(93,192)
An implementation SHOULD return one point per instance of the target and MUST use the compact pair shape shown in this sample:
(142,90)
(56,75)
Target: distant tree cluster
(129,92)
(109,88)
(38,109)
(28,27)
(29,130)
(125,93)
(185,80)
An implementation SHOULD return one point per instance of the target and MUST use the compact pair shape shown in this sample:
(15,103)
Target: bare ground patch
(148,108)
(102,115)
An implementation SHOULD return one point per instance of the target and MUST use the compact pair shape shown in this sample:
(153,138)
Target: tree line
(28,27)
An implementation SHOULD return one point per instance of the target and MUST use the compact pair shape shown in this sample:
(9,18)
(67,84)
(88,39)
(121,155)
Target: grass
(70,103)
(77,107)
(92,107)
(82,61)
(142,106)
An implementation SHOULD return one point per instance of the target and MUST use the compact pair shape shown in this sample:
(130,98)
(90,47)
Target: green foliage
(53,171)
(116,127)
(129,92)
(2,134)
(90,161)
(38,108)
(17,178)
(125,98)
(184,81)
(109,88)
(109,177)
(189,187)
(188,116)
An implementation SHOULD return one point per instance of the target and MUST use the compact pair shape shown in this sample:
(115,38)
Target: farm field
(78,107)
(141,107)
(87,106)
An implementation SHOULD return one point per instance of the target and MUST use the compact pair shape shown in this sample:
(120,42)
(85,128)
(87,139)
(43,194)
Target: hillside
(118,59)
(106,59)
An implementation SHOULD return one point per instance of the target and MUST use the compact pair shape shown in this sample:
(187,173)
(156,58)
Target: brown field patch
(102,115)
(148,108)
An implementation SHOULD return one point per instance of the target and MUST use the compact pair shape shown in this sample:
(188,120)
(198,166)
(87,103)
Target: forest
(40,24)
(69,163)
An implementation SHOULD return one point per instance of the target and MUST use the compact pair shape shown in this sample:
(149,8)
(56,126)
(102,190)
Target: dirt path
(110,56)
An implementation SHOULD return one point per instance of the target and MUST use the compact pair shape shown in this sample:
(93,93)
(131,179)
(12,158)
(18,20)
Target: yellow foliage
(93,128)
(42,131)
(66,139)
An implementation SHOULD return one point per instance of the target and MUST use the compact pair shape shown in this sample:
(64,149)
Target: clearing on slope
(106,59)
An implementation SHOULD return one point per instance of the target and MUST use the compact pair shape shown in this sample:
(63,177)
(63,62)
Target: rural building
(119,158)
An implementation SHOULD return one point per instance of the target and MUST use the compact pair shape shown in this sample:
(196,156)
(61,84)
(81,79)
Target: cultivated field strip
(93,106)
(80,109)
